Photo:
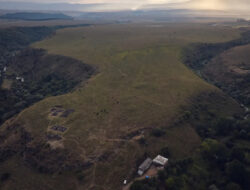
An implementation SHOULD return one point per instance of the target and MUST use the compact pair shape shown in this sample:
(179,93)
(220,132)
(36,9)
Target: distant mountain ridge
(120,7)
(35,16)
(25,6)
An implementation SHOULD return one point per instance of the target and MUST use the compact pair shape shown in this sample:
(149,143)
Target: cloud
(137,4)
(102,1)
(218,4)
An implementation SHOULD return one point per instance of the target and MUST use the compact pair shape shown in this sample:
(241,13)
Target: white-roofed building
(160,160)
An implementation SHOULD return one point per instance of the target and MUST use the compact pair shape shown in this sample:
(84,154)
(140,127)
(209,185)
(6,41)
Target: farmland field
(140,85)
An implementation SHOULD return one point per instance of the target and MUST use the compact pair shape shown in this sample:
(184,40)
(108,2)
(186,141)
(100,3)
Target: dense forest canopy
(32,74)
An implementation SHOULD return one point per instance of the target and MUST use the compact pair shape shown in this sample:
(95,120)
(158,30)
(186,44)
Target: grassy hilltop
(141,85)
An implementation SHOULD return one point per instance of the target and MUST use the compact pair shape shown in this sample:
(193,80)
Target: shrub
(165,152)
(5,177)
(233,186)
(157,132)
(174,183)
(237,173)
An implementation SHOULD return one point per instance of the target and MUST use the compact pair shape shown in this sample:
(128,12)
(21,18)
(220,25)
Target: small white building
(144,166)
(160,160)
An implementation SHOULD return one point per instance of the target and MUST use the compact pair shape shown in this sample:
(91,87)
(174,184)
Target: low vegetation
(29,75)
(35,76)
(138,105)
(222,160)
(230,72)
(13,40)
(223,64)
(197,55)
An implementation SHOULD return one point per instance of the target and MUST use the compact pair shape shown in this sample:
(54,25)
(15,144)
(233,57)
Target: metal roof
(146,164)
(160,160)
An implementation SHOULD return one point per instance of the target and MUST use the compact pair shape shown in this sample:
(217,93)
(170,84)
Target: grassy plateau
(140,84)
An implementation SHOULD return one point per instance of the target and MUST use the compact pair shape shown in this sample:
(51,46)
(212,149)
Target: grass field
(141,84)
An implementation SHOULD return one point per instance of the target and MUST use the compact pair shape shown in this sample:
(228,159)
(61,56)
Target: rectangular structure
(160,160)
(144,166)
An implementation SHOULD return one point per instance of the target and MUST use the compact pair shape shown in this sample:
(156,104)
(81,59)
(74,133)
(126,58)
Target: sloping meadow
(141,85)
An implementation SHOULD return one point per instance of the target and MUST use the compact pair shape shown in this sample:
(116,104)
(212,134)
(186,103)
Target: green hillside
(141,85)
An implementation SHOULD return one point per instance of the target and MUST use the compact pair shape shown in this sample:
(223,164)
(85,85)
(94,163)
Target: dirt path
(152,172)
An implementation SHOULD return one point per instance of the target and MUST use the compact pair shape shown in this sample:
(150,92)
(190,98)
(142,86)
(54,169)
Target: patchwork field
(140,85)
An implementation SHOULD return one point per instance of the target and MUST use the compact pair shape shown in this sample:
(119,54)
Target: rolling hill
(105,126)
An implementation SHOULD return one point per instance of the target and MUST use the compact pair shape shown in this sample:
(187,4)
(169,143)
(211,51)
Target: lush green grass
(141,84)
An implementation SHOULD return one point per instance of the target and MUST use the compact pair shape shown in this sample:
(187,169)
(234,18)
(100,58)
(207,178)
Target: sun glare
(211,4)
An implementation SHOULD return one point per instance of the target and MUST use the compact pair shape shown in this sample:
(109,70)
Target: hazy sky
(103,1)
(134,4)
